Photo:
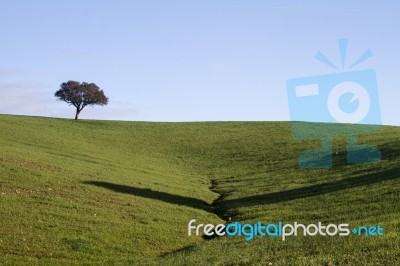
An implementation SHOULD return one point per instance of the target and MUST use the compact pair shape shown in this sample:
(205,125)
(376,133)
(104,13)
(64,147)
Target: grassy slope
(99,191)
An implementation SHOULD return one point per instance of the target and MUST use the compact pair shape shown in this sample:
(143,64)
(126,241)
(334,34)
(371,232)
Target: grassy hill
(124,192)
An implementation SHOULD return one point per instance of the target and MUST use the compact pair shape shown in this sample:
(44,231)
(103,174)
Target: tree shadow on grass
(151,194)
(311,191)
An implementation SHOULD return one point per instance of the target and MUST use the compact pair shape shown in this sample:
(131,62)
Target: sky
(180,60)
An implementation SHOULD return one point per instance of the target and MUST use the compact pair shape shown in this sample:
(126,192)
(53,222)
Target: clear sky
(182,60)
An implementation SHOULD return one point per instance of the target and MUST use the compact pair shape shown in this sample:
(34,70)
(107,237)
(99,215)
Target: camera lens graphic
(358,92)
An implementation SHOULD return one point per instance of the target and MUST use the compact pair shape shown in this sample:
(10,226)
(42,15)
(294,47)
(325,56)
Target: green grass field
(111,192)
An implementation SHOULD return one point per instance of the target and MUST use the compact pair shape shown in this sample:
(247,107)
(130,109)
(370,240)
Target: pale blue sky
(188,60)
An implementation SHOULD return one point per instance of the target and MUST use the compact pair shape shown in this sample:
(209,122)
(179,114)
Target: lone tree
(81,95)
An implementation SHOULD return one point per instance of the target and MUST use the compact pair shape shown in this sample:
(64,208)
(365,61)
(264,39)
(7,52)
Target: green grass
(123,192)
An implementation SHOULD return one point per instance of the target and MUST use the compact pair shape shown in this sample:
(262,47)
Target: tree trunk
(77,113)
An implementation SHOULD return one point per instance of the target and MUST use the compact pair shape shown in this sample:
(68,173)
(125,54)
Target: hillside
(124,192)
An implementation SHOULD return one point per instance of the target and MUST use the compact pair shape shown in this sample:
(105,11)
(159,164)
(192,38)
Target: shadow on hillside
(311,191)
(390,151)
(151,194)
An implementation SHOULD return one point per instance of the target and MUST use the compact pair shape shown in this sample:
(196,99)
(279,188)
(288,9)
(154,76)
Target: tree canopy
(81,95)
